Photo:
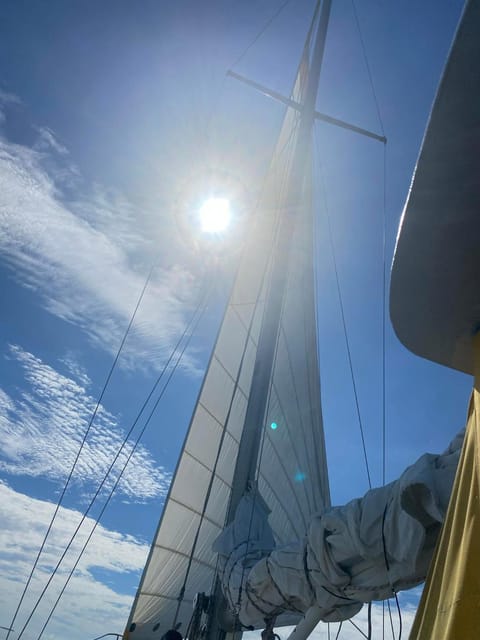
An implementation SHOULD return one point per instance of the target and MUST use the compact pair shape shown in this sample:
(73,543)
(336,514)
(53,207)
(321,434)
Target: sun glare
(215,215)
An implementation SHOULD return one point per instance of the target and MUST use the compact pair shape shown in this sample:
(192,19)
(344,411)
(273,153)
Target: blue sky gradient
(108,111)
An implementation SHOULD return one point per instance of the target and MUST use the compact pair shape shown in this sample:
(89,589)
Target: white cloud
(7,99)
(90,607)
(47,141)
(87,256)
(41,430)
(75,369)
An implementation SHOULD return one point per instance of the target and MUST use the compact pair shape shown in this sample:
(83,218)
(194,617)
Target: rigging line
(384,319)
(384,385)
(379,115)
(191,327)
(364,49)
(236,62)
(358,629)
(369,618)
(387,566)
(339,629)
(316,297)
(344,324)
(82,444)
(111,466)
(260,33)
(383,619)
(400,624)
(391,619)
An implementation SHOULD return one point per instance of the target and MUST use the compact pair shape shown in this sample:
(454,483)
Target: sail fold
(366,550)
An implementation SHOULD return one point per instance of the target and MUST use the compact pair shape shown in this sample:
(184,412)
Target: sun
(215,215)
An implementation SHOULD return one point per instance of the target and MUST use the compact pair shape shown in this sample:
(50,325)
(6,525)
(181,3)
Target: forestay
(291,470)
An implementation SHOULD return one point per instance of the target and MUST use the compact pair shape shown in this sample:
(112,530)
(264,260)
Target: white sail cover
(366,550)
(291,474)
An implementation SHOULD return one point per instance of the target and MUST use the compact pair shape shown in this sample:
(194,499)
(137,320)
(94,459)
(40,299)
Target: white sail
(291,474)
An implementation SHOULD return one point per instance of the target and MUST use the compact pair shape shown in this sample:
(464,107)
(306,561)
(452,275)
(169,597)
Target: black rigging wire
(339,629)
(383,620)
(391,619)
(240,58)
(358,629)
(107,473)
(384,287)
(82,444)
(260,33)
(193,323)
(400,625)
(344,323)
(384,319)
(370,77)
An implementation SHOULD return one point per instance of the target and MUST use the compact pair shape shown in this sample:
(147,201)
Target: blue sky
(107,111)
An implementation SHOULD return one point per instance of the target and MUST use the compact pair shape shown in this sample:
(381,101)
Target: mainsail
(289,464)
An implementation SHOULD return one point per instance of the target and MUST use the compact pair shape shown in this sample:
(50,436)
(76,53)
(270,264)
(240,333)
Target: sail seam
(159,595)
(207,468)
(182,504)
(217,420)
(255,342)
(185,555)
(234,380)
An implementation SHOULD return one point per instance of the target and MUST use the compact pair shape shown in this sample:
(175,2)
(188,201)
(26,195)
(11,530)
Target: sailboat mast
(257,404)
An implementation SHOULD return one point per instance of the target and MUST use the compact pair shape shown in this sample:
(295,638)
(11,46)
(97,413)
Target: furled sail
(365,550)
(290,471)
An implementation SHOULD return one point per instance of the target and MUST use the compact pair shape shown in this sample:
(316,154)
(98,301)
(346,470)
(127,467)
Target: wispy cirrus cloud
(42,427)
(90,606)
(7,99)
(86,252)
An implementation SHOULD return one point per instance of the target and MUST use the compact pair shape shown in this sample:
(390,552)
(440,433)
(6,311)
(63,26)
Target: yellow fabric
(450,605)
